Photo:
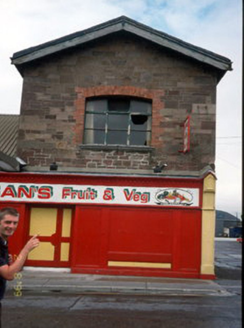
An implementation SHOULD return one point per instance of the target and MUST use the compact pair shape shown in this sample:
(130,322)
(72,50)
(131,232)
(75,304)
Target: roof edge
(122,23)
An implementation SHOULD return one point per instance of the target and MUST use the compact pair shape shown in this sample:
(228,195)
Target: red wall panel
(86,236)
(187,240)
(135,234)
(139,234)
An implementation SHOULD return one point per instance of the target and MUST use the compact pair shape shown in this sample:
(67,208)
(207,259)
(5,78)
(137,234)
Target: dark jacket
(3,261)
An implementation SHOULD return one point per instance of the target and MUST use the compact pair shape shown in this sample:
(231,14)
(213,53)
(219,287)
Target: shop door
(53,225)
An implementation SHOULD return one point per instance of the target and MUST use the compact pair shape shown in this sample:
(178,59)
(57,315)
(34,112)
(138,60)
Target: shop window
(118,121)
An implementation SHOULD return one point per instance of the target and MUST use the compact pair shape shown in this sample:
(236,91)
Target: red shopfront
(121,225)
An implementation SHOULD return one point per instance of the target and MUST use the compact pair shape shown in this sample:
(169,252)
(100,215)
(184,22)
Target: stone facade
(55,89)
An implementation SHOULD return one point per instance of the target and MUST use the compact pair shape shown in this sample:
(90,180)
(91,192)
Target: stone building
(119,121)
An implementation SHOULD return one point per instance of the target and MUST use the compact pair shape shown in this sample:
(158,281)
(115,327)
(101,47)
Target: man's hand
(8,271)
(32,243)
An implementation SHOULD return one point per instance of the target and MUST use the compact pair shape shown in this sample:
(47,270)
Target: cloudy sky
(215,25)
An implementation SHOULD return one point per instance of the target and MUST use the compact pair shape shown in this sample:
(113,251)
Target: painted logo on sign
(174,196)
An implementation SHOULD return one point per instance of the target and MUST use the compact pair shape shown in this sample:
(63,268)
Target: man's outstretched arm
(8,271)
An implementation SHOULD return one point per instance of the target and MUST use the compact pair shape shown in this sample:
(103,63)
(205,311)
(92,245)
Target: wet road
(52,310)
(39,311)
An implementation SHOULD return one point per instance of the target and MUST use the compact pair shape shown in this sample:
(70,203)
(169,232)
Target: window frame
(108,113)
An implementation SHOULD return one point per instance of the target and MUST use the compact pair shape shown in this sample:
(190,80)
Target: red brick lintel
(84,93)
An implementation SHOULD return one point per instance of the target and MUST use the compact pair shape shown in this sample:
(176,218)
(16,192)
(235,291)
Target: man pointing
(9,219)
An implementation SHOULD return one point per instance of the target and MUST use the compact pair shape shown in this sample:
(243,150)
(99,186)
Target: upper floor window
(118,121)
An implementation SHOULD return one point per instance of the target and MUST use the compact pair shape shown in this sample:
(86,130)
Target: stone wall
(53,106)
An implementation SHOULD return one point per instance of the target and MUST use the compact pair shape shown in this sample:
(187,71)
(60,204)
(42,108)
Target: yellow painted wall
(64,254)
(43,221)
(66,224)
(139,264)
(208,225)
(44,252)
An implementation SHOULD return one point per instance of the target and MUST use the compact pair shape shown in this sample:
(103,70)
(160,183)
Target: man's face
(8,225)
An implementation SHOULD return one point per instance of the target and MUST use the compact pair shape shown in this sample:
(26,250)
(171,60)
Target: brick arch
(84,93)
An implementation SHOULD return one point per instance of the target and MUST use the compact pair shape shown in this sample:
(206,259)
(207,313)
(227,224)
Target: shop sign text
(99,194)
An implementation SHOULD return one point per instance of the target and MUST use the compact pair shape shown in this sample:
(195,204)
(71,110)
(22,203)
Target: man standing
(9,219)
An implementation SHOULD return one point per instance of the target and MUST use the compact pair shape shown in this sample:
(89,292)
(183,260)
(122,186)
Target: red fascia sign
(186,136)
(97,194)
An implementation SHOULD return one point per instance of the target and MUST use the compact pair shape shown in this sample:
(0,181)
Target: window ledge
(118,147)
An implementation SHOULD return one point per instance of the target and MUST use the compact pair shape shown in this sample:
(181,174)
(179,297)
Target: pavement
(44,280)
(62,282)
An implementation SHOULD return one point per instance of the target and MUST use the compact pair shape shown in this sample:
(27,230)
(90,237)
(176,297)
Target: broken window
(118,121)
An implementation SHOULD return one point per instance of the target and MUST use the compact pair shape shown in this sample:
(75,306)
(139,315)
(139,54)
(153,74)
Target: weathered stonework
(55,90)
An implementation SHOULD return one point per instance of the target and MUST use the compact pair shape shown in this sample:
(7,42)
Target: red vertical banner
(186,140)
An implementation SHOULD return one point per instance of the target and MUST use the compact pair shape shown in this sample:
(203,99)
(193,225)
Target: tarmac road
(228,259)
(123,311)
(193,303)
